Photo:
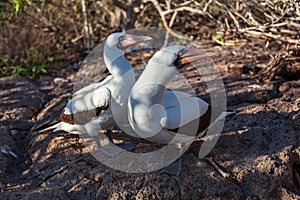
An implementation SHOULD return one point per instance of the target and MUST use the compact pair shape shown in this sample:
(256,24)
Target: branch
(87,26)
(164,21)
(217,168)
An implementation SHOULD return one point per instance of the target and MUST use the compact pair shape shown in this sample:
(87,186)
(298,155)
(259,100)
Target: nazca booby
(180,121)
(98,105)
(103,105)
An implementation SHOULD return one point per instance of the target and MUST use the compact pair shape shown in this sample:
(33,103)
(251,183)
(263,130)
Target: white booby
(98,105)
(149,114)
(103,105)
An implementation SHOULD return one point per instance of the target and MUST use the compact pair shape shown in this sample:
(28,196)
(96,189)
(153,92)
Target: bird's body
(149,113)
(103,105)
(159,118)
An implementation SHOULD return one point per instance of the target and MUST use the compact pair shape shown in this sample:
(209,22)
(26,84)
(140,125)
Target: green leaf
(160,24)
(218,37)
(19,5)
(180,41)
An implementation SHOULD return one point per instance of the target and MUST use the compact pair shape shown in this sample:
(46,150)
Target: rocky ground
(256,157)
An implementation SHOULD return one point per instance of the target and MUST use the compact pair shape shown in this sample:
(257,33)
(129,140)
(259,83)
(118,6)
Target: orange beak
(134,39)
(194,54)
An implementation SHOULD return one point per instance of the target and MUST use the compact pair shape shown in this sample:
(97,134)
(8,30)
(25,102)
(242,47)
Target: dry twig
(87,27)
(217,168)
(272,67)
(252,18)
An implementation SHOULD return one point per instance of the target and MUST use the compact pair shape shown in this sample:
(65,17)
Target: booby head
(178,56)
(117,43)
(120,41)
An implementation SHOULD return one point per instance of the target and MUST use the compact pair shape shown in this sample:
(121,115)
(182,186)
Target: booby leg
(174,168)
(128,147)
(96,139)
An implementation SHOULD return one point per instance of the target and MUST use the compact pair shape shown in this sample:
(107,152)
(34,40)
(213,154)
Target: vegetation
(39,36)
(32,66)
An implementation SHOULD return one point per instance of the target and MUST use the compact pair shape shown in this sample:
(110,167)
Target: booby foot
(126,146)
(97,143)
(174,168)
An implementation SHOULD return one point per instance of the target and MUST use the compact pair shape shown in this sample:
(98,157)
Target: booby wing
(85,106)
(91,128)
(184,112)
(93,86)
(173,98)
(81,109)
(62,126)
(89,102)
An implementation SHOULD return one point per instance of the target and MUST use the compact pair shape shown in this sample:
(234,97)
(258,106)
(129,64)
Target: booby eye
(120,41)
(121,38)
(177,61)
(181,52)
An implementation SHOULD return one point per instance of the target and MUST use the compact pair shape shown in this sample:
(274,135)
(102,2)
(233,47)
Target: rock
(296,120)
(6,143)
(290,90)
(257,148)
(290,70)
(21,125)
(22,113)
(39,193)
(85,189)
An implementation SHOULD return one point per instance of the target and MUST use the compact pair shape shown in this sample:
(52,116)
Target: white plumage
(175,117)
(151,113)
(92,108)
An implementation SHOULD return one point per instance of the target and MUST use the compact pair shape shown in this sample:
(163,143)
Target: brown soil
(258,150)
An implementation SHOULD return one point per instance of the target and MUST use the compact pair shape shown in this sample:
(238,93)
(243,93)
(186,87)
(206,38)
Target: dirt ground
(256,157)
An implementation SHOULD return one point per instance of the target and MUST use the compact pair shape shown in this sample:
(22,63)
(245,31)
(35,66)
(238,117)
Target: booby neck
(156,74)
(115,61)
(160,68)
(148,93)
